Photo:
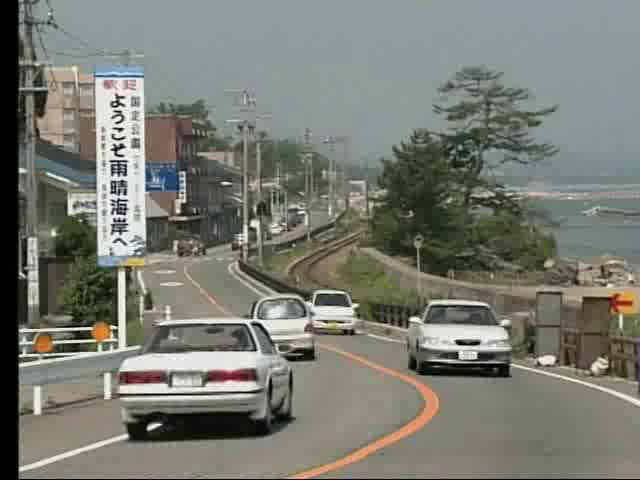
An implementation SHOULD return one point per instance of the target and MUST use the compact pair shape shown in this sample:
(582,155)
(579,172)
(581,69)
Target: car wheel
(423,368)
(504,370)
(287,409)
(352,332)
(412,363)
(263,425)
(311,354)
(137,431)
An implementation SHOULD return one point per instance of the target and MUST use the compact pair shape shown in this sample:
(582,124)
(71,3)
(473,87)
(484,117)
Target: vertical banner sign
(182,187)
(119,96)
(33,298)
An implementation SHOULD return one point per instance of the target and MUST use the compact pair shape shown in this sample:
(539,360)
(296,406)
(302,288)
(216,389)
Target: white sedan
(288,321)
(276,229)
(205,366)
(459,333)
(333,311)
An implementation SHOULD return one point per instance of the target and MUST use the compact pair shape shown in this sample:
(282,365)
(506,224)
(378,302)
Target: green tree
(88,292)
(420,199)
(76,238)
(486,118)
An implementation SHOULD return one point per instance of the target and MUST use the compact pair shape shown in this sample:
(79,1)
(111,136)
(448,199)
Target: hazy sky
(369,68)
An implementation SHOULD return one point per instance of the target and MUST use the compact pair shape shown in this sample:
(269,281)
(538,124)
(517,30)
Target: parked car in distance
(333,311)
(191,244)
(212,366)
(459,333)
(288,320)
(276,229)
(236,242)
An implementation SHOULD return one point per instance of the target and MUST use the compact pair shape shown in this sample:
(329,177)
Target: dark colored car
(191,245)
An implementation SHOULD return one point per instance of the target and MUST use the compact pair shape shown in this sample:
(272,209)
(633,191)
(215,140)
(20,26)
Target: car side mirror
(505,323)
(415,320)
(246,315)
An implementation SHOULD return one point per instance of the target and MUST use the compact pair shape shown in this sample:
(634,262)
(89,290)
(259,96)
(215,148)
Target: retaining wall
(503,299)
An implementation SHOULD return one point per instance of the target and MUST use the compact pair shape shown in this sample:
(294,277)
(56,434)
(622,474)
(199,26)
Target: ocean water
(587,238)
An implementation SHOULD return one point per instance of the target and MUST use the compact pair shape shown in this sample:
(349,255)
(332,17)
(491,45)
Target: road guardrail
(60,370)
(28,335)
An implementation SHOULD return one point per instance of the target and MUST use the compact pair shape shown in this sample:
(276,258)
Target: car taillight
(308,328)
(129,378)
(244,375)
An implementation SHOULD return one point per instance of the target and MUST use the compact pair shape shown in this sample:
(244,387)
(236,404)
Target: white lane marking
(593,386)
(171,284)
(164,272)
(141,282)
(622,396)
(79,451)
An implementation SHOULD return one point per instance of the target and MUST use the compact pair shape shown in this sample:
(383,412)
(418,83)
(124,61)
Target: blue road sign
(161,177)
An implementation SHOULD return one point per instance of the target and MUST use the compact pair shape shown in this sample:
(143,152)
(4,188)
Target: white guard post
(106,376)
(167,312)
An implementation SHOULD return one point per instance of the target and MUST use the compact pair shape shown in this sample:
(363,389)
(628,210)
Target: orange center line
(431,405)
(429,410)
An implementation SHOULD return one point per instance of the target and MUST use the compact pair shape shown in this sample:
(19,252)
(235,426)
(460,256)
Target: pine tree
(486,117)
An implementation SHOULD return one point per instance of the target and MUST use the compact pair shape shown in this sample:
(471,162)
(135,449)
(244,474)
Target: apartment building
(70,98)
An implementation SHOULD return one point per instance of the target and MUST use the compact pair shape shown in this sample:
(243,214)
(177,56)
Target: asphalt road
(528,426)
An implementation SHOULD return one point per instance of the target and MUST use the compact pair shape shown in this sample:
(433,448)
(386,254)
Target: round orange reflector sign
(43,343)
(101,331)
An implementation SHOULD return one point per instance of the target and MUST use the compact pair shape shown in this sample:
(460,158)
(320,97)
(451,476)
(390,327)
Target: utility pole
(259,199)
(31,185)
(308,158)
(248,102)
(331,141)
(345,183)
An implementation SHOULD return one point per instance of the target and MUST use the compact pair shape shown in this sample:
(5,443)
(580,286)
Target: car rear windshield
(332,300)
(200,338)
(460,315)
(281,309)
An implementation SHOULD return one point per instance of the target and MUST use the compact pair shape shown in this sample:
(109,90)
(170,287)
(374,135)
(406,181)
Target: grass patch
(135,334)
(367,281)
(631,326)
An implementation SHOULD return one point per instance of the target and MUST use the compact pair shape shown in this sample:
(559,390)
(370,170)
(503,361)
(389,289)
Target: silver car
(288,321)
(458,333)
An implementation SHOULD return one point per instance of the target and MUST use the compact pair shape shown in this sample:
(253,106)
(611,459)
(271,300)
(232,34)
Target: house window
(86,90)
(68,140)
(69,115)
(68,88)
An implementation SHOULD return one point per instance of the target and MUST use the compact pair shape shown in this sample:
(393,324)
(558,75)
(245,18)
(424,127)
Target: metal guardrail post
(106,377)
(167,312)
(107,385)
(37,399)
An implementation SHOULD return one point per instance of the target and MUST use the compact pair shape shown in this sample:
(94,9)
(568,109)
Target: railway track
(302,269)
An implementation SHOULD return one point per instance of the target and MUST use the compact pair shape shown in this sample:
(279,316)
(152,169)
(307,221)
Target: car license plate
(467,355)
(186,380)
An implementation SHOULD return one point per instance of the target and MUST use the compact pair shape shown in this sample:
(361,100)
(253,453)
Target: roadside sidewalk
(620,385)
(64,394)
